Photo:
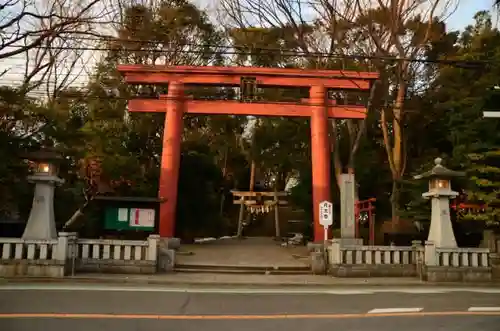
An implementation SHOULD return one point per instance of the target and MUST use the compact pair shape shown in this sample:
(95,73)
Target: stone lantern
(41,222)
(440,193)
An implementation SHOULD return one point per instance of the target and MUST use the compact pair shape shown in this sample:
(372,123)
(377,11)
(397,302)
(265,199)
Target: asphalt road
(128,308)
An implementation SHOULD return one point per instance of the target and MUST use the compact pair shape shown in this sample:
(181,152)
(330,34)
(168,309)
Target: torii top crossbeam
(232,76)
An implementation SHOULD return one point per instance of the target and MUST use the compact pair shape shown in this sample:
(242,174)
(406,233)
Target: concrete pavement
(245,280)
(126,308)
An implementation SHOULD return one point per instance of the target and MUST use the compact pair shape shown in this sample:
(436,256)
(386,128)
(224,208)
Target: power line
(214,49)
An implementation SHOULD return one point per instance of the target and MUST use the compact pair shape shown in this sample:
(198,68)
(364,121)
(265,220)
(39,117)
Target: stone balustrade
(429,262)
(120,256)
(457,264)
(463,257)
(32,257)
(69,254)
(372,261)
(377,255)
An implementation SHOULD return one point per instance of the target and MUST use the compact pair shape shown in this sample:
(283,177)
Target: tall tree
(403,30)
(460,95)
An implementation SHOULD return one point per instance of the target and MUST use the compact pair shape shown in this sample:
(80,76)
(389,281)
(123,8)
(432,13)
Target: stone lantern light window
(438,184)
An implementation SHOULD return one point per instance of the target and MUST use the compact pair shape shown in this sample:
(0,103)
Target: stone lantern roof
(440,171)
(43,155)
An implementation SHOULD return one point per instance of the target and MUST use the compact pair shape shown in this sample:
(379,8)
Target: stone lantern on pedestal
(440,193)
(41,222)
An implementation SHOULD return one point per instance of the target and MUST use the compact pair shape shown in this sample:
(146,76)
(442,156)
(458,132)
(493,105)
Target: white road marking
(237,290)
(154,289)
(422,291)
(483,309)
(348,292)
(436,290)
(394,310)
(486,290)
(104,288)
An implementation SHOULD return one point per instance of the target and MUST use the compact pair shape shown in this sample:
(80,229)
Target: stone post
(334,252)
(153,241)
(495,265)
(430,255)
(348,211)
(418,256)
(66,250)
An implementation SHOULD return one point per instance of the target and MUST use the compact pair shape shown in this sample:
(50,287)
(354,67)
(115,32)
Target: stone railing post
(334,252)
(418,255)
(153,241)
(430,255)
(66,250)
(495,265)
(63,246)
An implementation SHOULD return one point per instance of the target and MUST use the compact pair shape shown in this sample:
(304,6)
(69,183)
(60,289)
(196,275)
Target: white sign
(491,114)
(325,213)
(122,214)
(142,217)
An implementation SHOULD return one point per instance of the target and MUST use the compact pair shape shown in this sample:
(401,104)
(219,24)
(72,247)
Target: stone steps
(242,269)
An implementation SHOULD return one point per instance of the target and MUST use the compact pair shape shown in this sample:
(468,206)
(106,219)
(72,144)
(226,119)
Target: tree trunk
(76,215)
(394,149)
(276,212)
(337,163)
(239,234)
(397,152)
(252,176)
(252,186)
(395,194)
(224,173)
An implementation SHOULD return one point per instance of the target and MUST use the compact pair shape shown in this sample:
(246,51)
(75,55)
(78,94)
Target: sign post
(326,217)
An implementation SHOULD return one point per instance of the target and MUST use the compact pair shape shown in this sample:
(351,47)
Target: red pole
(320,153)
(170,158)
(356,218)
(371,225)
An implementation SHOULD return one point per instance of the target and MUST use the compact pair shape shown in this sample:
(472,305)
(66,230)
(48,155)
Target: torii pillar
(320,155)
(170,159)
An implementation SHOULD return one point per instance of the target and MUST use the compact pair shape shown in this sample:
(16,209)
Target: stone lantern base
(41,222)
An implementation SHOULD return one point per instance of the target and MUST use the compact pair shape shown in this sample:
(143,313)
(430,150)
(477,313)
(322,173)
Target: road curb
(138,281)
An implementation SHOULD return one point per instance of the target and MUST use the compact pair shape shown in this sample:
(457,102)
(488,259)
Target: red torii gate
(174,104)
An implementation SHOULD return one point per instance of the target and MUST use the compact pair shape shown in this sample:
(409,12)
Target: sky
(463,16)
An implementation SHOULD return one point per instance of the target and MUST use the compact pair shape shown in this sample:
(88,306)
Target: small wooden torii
(259,203)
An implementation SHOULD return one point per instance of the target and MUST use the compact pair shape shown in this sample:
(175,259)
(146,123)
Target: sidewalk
(222,280)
